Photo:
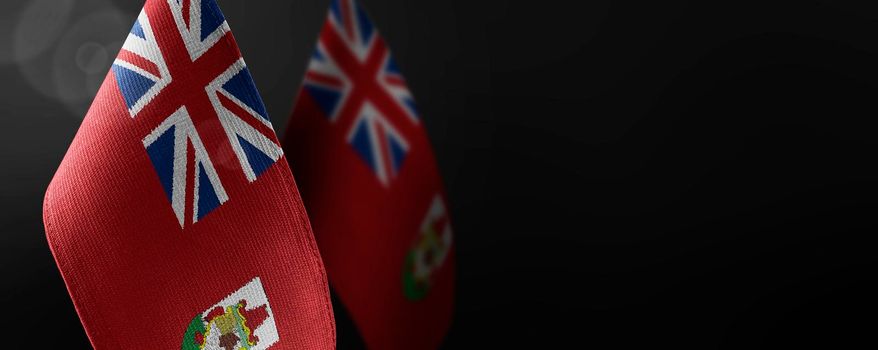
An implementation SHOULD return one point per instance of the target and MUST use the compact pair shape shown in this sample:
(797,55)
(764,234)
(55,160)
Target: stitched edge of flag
(92,333)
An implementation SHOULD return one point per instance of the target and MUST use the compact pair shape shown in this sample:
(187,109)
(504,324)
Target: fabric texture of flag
(174,218)
(372,188)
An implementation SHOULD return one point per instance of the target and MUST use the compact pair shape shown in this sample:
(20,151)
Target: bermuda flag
(372,188)
(174,218)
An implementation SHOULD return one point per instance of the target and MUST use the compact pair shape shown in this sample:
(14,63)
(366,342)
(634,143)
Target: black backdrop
(622,174)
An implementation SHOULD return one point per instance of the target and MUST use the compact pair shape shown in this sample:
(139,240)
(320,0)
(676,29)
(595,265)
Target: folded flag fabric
(174,218)
(372,188)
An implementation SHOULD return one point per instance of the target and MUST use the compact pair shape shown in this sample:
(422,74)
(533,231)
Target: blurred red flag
(371,186)
(174,218)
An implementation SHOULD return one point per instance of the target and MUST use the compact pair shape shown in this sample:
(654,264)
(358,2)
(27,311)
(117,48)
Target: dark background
(695,174)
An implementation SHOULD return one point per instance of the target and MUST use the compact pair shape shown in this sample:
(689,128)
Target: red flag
(370,183)
(174,218)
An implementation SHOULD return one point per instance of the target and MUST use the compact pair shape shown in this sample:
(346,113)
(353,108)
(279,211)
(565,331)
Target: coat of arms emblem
(241,321)
(428,253)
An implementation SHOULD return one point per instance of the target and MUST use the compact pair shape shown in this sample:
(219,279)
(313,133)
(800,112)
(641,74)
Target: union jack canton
(356,83)
(197,136)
